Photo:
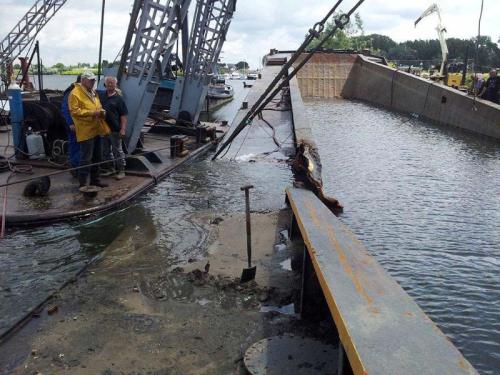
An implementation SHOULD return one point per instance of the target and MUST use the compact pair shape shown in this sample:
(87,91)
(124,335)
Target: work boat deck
(64,200)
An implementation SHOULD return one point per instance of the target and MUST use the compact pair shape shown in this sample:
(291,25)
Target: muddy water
(425,201)
(36,262)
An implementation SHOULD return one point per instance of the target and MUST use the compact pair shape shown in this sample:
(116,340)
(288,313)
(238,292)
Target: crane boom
(441,34)
(27,29)
(153,31)
(210,25)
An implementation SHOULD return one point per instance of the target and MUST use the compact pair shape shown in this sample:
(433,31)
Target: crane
(154,28)
(210,25)
(152,34)
(26,30)
(153,31)
(441,30)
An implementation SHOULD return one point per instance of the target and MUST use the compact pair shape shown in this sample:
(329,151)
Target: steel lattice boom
(27,29)
(153,31)
(210,25)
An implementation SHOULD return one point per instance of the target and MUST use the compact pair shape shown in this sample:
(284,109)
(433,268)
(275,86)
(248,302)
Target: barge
(164,147)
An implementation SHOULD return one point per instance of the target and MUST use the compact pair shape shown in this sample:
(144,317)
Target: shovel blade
(248,274)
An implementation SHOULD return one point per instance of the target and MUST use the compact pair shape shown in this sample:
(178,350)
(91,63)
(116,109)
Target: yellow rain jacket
(82,106)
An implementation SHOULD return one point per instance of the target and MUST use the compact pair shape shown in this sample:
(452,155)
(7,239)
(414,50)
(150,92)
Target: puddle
(286,264)
(280,247)
(245,157)
(284,235)
(203,301)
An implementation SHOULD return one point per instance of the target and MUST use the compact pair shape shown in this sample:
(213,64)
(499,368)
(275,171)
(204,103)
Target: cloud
(73,34)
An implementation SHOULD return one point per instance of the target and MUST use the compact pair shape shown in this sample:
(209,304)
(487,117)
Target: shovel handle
(247,188)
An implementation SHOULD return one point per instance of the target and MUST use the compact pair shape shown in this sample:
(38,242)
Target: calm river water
(426,202)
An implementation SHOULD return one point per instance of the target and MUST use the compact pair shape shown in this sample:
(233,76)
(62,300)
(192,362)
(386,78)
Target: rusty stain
(342,257)
(354,271)
(462,364)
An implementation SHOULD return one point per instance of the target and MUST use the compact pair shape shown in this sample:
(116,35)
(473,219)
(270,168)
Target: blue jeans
(112,149)
(90,152)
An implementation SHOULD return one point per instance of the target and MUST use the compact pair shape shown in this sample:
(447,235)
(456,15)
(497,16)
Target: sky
(258,25)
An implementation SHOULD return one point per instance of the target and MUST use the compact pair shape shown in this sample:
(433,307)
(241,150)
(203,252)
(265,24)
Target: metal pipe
(248,224)
(313,33)
(100,43)
(466,61)
(39,69)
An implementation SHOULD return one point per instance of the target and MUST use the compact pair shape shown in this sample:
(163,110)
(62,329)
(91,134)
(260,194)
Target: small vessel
(220,91)
(219,79)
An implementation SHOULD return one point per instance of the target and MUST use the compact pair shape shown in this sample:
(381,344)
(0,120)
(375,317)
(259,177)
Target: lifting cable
(340,22)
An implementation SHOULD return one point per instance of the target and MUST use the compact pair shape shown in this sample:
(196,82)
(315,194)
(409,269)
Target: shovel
(248,273)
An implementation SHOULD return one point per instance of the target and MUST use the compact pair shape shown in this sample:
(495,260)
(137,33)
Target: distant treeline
(488,51)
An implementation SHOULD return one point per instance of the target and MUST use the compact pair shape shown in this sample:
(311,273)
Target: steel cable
(265,98)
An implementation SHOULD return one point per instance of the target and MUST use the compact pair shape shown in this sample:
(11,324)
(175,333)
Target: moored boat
(220,91)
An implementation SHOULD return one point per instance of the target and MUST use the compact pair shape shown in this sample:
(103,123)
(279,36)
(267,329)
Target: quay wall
(357,77)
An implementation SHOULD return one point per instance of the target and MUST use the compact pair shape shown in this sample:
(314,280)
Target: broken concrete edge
(307,162)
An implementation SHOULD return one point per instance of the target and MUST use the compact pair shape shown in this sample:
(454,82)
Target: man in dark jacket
(491,88)
(116,118)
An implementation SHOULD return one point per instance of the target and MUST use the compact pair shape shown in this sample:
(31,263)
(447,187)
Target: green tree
(242,65)
(381,42)
(60,67)
(342,39)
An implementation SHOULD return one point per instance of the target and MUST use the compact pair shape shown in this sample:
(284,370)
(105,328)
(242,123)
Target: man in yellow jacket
(88,116)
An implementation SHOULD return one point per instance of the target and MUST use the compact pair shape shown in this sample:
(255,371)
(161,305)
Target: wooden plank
(381,328)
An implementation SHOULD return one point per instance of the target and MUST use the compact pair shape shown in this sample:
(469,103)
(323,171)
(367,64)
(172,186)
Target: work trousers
(73,149)
(90,152)
(112,149)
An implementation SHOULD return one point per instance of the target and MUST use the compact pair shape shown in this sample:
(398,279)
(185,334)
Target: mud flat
(128,315)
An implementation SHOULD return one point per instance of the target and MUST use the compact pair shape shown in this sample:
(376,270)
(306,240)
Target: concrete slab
(256,140)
